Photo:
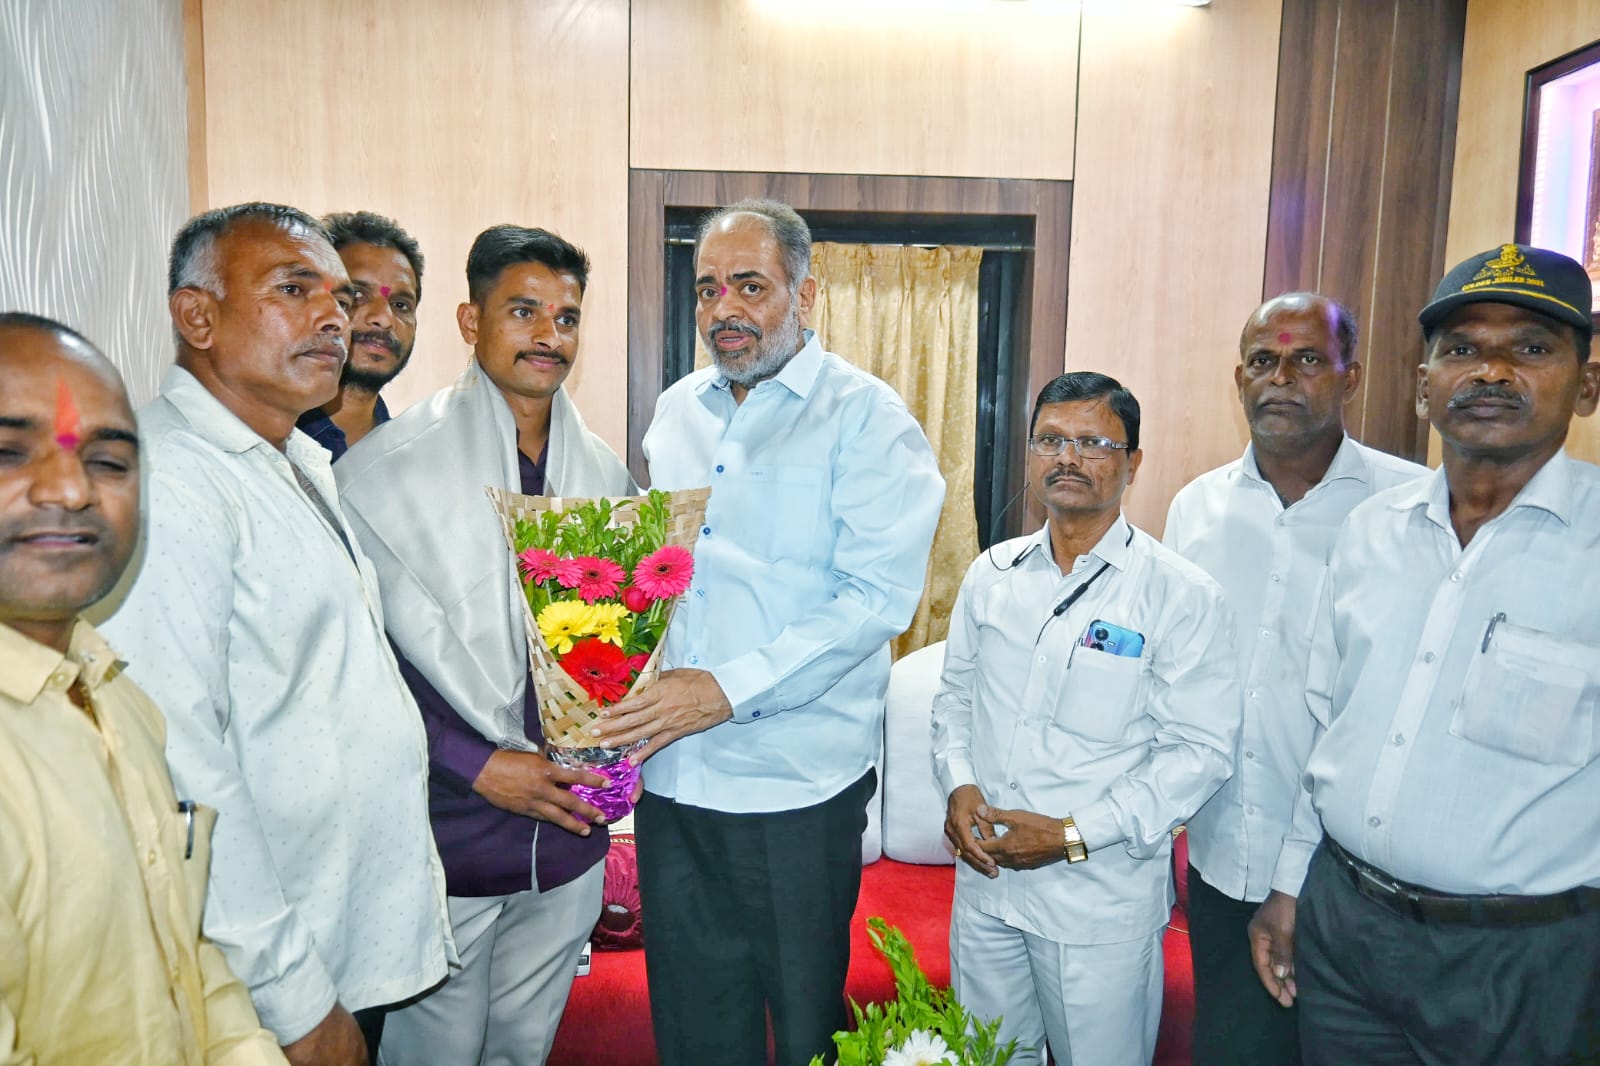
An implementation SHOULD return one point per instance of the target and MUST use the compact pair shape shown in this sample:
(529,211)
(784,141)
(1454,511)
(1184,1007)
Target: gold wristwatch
(1072,841)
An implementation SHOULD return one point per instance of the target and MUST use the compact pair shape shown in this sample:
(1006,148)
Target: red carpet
(607,1022)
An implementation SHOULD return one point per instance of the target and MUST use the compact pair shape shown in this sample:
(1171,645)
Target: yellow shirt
(101,958)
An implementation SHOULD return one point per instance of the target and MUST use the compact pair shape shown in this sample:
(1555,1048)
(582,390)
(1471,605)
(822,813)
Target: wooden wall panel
(1504,40)
(1361,181)
(451,118)
(939,87)
(1169,222)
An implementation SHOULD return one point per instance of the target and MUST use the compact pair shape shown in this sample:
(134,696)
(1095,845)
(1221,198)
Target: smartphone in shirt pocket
(1113,639)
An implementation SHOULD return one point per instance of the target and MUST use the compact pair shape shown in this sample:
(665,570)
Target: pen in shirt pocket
(186,808)
(1488,633)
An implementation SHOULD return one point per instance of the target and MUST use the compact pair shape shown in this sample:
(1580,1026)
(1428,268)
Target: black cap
(1535,278)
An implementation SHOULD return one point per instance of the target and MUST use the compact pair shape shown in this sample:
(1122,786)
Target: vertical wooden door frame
(652,192)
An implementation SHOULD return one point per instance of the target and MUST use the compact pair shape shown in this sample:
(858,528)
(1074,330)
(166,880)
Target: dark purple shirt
(486,851)
(326,432)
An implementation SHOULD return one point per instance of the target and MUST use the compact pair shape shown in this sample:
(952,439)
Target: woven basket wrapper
(565,709)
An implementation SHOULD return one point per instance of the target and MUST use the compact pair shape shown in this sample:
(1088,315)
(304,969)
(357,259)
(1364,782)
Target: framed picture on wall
(1558,186)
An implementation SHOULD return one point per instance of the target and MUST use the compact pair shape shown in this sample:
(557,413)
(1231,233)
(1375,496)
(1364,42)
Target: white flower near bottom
(921,1048)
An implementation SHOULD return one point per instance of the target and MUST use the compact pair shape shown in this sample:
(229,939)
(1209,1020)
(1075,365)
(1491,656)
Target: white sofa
(906,817)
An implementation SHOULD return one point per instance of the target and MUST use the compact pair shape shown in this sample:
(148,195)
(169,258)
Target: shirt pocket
(1531,694)
(788,509)
(1101,695)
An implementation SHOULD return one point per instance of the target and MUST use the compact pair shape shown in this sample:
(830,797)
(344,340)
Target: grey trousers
(1381,989)
(518,957)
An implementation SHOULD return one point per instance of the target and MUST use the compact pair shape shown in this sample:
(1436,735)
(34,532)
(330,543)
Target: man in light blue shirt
(761,737)
(1263,526)
(1441,873)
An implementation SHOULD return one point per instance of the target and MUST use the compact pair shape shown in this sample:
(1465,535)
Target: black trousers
(1236,1023)
(1379,988)
(746,914)
(370,1022)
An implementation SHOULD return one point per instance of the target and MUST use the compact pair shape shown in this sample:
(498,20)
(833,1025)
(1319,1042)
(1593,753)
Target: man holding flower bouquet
(761,738)
(522,854)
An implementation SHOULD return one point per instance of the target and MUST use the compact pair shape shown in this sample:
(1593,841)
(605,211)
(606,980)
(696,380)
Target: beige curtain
(910,316)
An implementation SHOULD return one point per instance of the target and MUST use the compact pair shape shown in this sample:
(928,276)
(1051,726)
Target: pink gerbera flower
(538,565)
(664,573)
(598,578)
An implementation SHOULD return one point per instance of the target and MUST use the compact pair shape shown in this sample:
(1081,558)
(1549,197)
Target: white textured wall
(94,156)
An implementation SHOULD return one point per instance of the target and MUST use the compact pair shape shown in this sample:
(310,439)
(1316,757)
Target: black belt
(1425,905)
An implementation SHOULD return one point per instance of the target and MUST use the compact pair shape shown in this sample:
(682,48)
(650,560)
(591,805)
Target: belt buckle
(1389,888)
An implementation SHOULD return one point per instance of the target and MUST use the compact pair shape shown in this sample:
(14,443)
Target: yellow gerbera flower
(607,619)
(564,621)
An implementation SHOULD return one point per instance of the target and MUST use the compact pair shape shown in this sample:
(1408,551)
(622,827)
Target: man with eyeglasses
(1263,527)
(1089,705)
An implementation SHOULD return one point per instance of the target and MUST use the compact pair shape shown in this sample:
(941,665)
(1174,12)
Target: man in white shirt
(254,622)
(1262,526)
(1444,851)
(1089,705)
(762,737)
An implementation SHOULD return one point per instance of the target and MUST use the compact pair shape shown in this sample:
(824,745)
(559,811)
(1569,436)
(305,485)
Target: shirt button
(719,468)
(150,857)
(1428,657)
(1398,739)
(755,714)
(700,594)
(60,679)
(1041,658)
(1276,579)
(694,660)
(1266,634)
(705,531)
(1013,786)
(1251,693)
(1456,576)
(1249,755)
(1374,821)
(1250,809)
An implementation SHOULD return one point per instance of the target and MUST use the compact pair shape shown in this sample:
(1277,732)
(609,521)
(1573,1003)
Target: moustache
(734,327)
(326,343)
(381,337)
(1479,393)
(529,353)
(1061,474)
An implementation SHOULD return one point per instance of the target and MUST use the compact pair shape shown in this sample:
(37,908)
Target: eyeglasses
(1088,447)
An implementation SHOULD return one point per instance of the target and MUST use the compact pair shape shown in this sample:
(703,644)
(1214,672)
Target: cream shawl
(413,491)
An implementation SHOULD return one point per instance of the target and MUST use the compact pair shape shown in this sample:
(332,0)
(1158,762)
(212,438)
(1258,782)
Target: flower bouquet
(600,580)
(923,1026)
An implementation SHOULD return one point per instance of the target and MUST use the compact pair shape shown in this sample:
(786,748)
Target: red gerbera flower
(599,667)
(665,572)
(638,662)
(597,578)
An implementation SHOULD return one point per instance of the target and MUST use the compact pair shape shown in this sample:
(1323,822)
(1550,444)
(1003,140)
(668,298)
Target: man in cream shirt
(103,872)
(254,622)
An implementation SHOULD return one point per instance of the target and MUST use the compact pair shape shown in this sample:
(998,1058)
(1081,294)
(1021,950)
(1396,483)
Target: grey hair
(785,225)
(195,264)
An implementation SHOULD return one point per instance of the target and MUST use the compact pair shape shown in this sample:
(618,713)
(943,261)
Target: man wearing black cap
(1451,909)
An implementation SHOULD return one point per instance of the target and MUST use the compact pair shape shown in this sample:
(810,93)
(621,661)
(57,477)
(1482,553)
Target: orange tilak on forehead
(68,424)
